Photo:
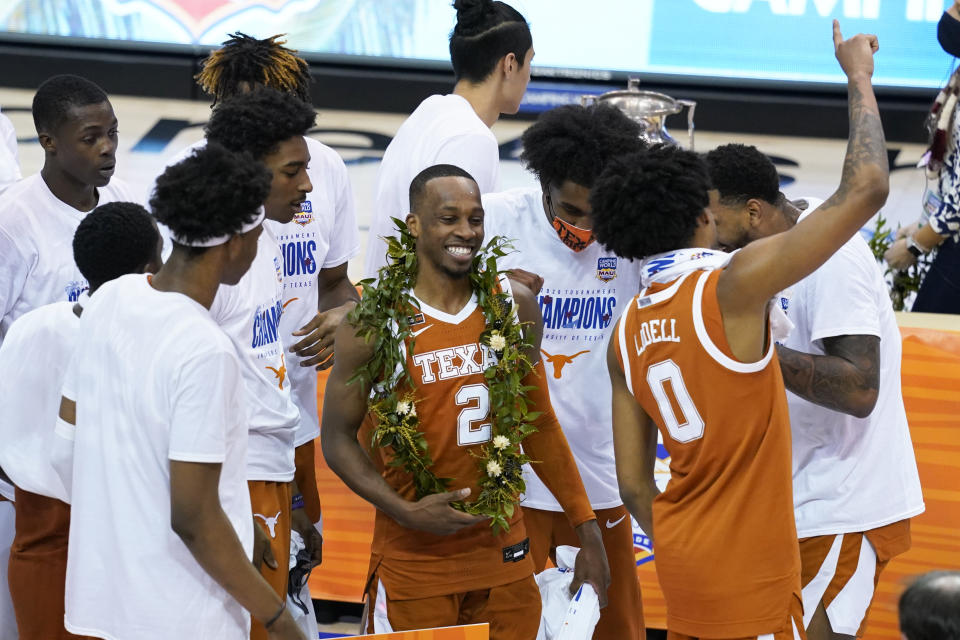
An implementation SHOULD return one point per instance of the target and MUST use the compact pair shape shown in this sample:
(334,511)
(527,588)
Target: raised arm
(342,418)
(767,266)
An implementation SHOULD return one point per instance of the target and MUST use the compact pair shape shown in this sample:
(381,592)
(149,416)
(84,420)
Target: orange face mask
(575,238)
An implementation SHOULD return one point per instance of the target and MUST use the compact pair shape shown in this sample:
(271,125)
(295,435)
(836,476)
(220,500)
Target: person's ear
(510,64)
(755,212)
(413,224)
(48,143)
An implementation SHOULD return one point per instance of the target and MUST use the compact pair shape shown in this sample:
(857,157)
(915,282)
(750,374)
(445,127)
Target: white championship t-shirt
(322,236)
(155,380)
(850,474)
(9,156)
(442,130)
(33,359)
(582,296)
(36,247)
(249,313)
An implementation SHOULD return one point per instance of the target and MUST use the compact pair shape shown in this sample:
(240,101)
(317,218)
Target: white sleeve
(345,238)
(840,298)
(477,154)
(14,269)
(205,407)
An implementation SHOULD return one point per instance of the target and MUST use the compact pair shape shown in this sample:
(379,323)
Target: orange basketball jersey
(724,535)
(447,365)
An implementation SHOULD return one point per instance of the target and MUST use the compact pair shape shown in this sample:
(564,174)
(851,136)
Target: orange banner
(470,632)
(930,383)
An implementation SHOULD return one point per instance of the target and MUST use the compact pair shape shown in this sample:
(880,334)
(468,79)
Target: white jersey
(583,294)
(249,313)
(9,156)
(322,236)
(154,380)
(36,247)
(442,130)
(34,358)
(850,474)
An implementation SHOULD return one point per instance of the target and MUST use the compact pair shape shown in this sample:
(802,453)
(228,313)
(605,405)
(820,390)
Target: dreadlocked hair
(246,60)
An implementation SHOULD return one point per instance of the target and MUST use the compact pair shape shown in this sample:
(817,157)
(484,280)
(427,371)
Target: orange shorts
(38,566)
(512,610)
(841,571)
(271,510)
(622,618)
(793,628)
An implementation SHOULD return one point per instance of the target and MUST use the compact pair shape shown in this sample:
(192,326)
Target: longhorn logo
(280,373)
(270,522)
(559,361)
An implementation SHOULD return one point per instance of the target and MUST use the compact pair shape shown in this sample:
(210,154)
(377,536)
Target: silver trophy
(649,109)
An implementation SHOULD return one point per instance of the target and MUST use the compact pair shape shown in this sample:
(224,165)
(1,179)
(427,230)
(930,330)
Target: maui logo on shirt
(456,362)
(606,269)
(298,257)
(266,325)
(305,216)
(581,312)
(75,289)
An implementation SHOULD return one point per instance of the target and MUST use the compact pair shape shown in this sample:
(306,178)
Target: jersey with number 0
(724,534)
(447,364)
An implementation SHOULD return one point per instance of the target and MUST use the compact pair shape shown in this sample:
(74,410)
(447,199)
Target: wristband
(277,615)
(914,247)
(297,502)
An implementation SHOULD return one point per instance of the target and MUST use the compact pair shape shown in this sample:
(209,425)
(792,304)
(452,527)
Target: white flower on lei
(501,442)
(493,469)
(497,342)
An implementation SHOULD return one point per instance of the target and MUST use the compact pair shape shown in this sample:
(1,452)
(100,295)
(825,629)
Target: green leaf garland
(383,319)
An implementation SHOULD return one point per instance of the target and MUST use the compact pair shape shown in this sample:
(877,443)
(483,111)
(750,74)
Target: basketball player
(315,247)
(270,126)
(39,214)
(550,229)
(160,520)
(855,481)
(9,156)
(694,358)
(115,239)
(491,50)
(432,565)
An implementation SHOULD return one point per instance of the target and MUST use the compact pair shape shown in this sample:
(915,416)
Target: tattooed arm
(764,267)
(845,379)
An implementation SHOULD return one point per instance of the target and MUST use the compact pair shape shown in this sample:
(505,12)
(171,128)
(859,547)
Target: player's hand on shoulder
(528,279)
(434,514)
(855,55)
(591,566)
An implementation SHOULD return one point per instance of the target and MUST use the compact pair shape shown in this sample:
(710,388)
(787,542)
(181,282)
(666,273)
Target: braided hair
(244,60)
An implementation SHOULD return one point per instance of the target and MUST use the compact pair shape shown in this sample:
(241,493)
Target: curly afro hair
(246,61)
(485,32)
(575,143)
(213,192)
(57,95)
(114,239)
(740,172)
(258,121)
(648,202)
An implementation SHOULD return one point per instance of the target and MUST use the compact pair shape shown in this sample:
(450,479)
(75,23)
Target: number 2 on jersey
(467,433)
(659,377)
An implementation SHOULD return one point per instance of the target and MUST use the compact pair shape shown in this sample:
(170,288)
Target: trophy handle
(588,99)
(691,106)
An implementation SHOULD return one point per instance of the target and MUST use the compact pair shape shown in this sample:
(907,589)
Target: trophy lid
(638,103)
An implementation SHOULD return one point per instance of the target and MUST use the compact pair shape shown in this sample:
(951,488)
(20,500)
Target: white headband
(213,242)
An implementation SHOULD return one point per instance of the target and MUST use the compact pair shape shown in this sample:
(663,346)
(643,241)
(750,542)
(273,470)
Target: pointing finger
(837,36)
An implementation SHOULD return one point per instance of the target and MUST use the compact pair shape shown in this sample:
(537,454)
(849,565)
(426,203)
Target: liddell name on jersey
(454,362)
(577,312)
(266,325)
(654,331)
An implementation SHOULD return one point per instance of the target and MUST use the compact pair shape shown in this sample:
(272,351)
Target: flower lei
(388,303)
